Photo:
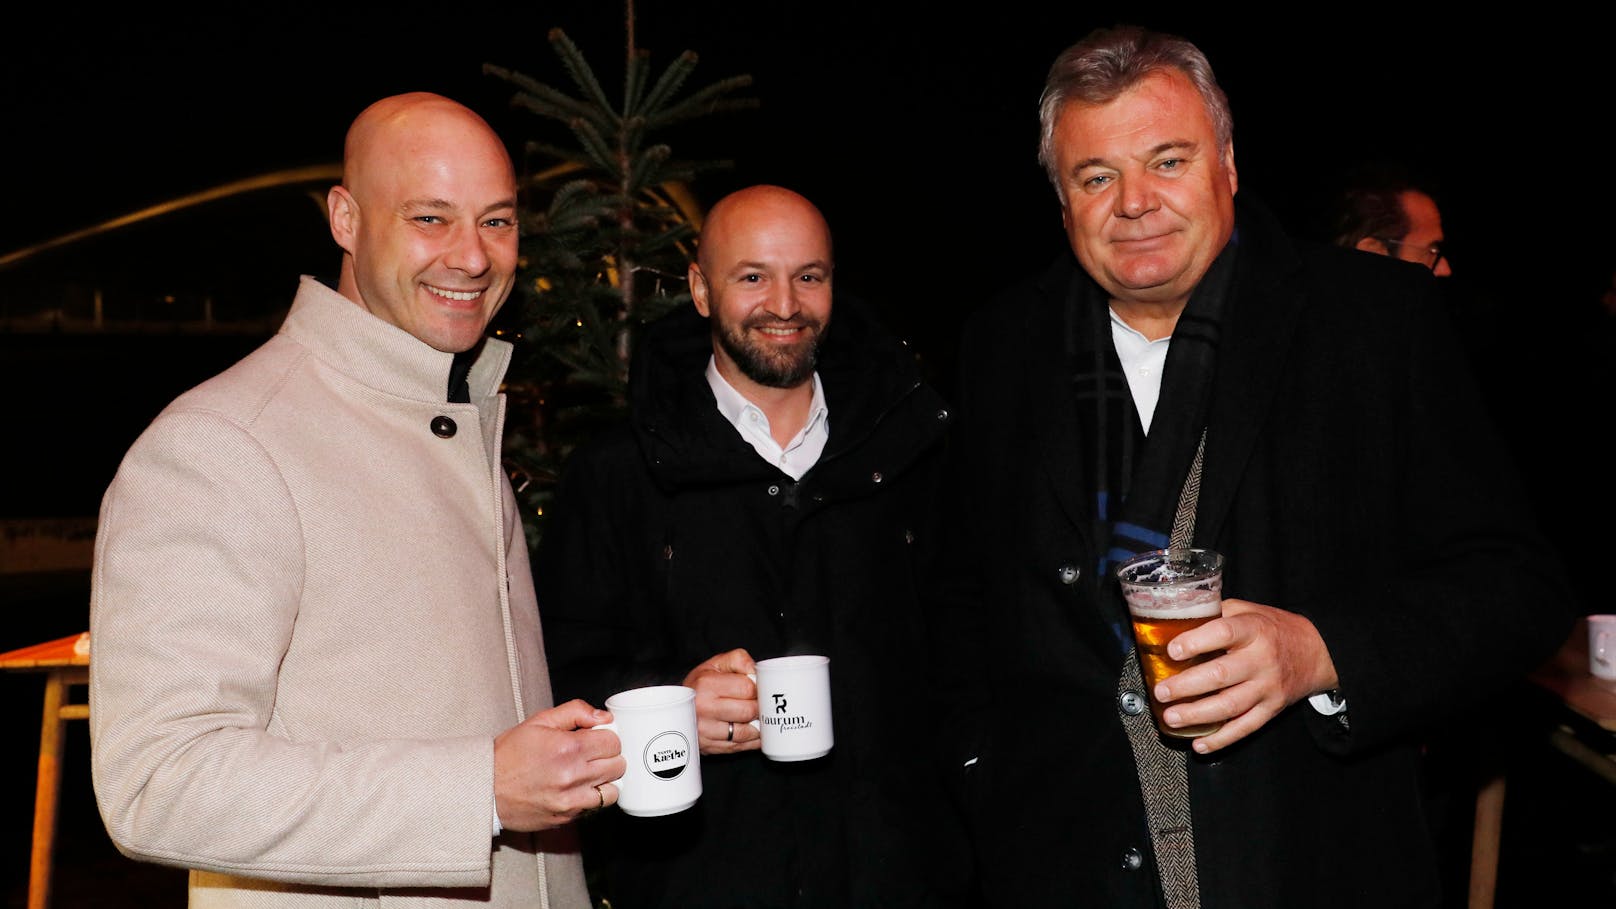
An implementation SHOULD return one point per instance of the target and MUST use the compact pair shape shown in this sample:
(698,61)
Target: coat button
(876,477)
(942,415)
(1069,574)
(443,427)
(774,490)
(1132,860)
(1133,703)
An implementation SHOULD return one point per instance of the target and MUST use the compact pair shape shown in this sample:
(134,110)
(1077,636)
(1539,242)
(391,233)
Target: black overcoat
(1350,476)
(673,541)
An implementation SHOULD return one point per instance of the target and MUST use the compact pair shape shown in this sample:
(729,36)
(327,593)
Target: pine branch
(670,82)
(704,102)
(540,98)
(648,162)
(599,153)
(608,230)
(577,67)
(635,72)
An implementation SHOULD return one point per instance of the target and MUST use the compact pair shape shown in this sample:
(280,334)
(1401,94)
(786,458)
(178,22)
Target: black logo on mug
(779,703)
(667,755)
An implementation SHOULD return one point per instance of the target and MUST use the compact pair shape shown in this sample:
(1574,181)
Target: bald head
(757,212)
(762,277)
(426,218)
(410,124)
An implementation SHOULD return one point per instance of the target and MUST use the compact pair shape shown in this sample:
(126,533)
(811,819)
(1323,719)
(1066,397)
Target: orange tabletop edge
(59,652)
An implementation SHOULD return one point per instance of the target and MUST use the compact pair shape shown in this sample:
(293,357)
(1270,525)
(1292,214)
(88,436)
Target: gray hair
(1108,62)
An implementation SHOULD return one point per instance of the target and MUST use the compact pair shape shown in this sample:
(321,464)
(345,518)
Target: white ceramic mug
(657,729)
(1602,646)
(794,707)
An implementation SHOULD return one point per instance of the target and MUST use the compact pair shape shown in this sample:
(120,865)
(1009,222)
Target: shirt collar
(734,406)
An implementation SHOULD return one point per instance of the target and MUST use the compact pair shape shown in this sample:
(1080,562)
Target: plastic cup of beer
(1170,591)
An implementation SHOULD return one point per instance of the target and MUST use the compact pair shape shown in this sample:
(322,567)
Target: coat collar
(351,341)
(1051,329)
(1259,321)
(866,374)
(1267,299)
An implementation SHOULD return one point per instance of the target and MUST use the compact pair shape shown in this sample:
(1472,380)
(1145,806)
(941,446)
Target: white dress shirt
(797,455)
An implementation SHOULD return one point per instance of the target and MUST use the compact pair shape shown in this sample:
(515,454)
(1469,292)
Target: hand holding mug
(552,768)
(656,727)
(726,703)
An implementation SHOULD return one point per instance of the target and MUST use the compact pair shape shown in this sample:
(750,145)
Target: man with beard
(771,494)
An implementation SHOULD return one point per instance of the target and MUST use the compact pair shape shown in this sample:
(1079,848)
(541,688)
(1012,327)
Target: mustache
(770,320)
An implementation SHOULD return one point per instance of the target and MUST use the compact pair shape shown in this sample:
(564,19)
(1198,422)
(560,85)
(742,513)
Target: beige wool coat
(310,615)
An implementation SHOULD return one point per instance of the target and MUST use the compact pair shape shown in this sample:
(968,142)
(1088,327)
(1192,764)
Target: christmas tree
(608,229)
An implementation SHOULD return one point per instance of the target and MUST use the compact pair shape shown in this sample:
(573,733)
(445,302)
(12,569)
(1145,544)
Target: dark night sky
(914,128)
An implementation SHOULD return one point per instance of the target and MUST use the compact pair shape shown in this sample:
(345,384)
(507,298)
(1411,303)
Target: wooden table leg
(58,710)
(1485,841)
(45,795)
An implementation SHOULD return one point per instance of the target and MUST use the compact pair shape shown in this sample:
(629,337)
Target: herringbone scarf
(1160,477)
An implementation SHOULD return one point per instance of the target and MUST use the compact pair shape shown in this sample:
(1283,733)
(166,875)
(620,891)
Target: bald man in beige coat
(317,676)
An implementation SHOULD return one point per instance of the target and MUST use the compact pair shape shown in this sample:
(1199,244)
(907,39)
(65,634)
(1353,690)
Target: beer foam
(1194,604)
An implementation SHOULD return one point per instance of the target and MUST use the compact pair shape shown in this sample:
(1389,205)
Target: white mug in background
(794,707)
(1602,646)
(657,729)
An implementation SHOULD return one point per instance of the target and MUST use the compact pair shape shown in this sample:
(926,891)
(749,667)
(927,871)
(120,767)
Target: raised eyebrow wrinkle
(1185,144)
(503,203)
(446,205)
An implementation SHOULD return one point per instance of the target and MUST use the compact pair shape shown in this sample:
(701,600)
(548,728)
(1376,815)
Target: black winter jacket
(672,541)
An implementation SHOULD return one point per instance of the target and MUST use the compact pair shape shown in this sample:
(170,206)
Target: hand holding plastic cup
(1170,591)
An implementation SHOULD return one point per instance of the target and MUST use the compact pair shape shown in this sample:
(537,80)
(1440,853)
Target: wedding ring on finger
(602,793)
(731,736)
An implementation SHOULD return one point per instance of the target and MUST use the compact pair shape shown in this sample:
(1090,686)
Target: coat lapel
(1256,342)
(1061,457)
(1054,402)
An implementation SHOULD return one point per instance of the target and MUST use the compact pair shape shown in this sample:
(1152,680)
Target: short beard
(768,366)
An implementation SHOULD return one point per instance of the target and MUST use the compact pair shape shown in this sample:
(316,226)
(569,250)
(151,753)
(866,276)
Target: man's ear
(1373,245)
(343,213)
(698,289)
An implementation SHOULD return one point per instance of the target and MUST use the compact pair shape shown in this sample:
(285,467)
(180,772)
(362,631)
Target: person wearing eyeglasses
(1383,211)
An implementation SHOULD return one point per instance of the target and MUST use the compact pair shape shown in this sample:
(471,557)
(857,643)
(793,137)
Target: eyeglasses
(1433,253)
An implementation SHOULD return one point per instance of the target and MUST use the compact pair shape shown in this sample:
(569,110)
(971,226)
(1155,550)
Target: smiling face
(763,279)
(426,216)
(1147,198)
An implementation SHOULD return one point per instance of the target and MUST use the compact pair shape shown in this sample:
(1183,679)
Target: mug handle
(612,728)
(757,723)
